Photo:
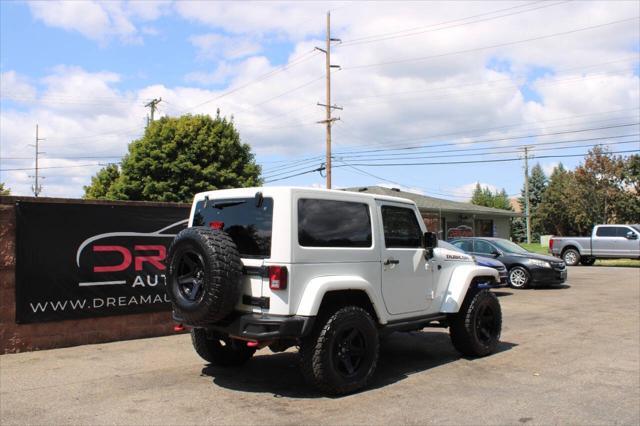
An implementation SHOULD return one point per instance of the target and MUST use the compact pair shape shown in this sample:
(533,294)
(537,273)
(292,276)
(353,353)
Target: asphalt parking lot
(569,355)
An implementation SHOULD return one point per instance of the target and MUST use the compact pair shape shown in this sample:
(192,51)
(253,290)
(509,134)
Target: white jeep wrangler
(328,271)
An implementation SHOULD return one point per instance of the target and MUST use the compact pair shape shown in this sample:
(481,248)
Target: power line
(56,167)
(491,140)
(430,28)
(484,149)
(510,43)
(300,161)
(302,58)
(498,160)
(432,89)
(319,169)
(427,191)
(512,85)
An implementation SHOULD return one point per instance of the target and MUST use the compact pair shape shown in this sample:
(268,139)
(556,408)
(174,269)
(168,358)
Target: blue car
(481,261)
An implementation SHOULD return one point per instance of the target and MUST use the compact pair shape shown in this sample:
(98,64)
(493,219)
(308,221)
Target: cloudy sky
(458,84)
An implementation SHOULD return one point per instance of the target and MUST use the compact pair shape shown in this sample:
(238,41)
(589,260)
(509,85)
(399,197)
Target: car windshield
(509,247)
(636,227)
(446,245)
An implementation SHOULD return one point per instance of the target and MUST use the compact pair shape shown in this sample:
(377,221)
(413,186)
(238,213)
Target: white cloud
(214,46)
(100,21)
(548,168)
(435,101)
(466,191)
(16,87)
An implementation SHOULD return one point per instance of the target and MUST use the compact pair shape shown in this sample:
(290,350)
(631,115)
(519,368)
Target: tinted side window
(401,228)
(328,223)
(606,231)
(466,245)
(482,247)
(622,231)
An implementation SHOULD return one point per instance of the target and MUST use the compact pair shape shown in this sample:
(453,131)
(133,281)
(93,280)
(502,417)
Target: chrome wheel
(518,277)
(571,257)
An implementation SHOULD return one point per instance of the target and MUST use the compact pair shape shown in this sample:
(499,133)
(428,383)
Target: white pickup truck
(605,242)
(327,271)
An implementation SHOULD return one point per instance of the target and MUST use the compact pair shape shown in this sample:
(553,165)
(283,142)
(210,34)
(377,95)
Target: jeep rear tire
(475,329)
(341,354)
(204,275)
(220,350)
(571,257)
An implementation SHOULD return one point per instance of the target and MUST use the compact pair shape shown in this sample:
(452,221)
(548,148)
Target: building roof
(432,204)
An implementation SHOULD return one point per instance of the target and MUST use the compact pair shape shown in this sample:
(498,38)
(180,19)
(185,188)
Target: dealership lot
(569,355)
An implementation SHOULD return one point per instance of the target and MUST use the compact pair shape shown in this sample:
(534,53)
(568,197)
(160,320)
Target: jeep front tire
(475,329)
(341,354)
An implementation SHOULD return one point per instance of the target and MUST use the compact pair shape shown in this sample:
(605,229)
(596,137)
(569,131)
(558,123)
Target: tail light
(550,244)
(217,225)
(277,277)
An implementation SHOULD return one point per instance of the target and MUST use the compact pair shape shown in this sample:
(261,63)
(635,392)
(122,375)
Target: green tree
(3,190)
(628,206)
(484,197)
(601,188)
(101,183)
(555,214)
(537,185)
(178,157)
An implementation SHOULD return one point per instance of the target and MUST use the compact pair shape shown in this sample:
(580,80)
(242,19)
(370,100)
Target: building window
(484,228)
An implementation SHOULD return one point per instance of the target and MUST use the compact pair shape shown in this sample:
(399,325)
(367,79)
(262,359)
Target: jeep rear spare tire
(204,277)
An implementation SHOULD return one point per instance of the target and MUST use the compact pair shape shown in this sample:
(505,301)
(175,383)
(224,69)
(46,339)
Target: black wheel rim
(486,324)
(350,352)
(190,276)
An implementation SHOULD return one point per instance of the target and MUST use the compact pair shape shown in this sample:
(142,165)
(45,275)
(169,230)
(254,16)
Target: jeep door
(407,278)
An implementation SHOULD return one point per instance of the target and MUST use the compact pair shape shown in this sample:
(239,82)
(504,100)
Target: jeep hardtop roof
(289,190)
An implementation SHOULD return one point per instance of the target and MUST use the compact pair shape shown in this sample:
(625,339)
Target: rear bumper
(249,326)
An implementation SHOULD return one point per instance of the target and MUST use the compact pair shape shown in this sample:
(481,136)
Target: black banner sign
(87,260)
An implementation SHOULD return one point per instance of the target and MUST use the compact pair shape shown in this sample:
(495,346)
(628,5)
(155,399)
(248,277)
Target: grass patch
(535,248)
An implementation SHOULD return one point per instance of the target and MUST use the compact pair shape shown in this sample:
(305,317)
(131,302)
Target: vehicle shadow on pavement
(401,355)
(552,287)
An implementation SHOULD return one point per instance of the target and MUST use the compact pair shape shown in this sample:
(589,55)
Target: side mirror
(495,253)
(632,235)
(430,240)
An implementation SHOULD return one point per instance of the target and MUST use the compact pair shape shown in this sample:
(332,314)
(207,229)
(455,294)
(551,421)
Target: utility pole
(328,121)
(153,105)
(36,187)
(526,194)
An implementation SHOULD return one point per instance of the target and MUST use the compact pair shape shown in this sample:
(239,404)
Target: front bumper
(548,276)
(259,327)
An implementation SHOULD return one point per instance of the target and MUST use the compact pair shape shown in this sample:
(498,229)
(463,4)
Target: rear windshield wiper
(223,204)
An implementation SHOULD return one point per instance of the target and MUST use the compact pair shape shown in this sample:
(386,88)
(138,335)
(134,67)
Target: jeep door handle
(391,261)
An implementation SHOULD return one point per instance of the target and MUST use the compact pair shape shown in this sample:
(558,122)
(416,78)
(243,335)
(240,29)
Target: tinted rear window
(249,226)
(607,231)
(329,223)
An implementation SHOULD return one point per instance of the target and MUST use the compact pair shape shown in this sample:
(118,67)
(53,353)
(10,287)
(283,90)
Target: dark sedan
(526,269)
